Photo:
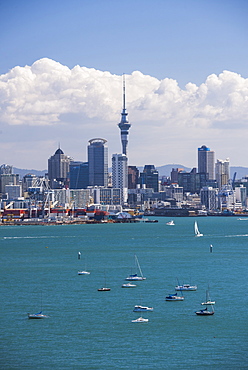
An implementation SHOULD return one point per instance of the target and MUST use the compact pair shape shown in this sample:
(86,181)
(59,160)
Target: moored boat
(128,285)
(135,277)
(204,312)
(140,319)
(186,287)
(39,315)
(139,308)
(174,297)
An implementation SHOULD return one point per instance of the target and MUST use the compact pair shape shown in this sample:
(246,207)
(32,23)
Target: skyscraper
(79,175)
(120,175)
(58,168)
(98,162)
(124,125)
(222,172)
(206,161)
(149,177)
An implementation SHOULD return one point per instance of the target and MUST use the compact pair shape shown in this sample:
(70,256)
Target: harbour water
(88,329)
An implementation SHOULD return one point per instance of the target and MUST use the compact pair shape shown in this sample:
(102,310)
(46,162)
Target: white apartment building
(120,175)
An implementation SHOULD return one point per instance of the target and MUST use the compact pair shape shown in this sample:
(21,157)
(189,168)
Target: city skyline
(61,80)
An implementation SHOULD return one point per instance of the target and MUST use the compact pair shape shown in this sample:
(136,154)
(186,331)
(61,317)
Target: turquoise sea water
(88,329)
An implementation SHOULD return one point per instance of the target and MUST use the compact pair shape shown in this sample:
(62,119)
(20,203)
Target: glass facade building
(98,162)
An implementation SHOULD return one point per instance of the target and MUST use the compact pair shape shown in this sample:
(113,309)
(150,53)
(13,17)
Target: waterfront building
(98,162)
(58,169)
(241,196)
(120,175)
(8,179)
(124,125)
(29,181)
(226,198)
(174,191)
(79,175)
(209,198)
(206,161)
(106,196)
(80,198)
(133,177)
(149,177)
(13,191)
(222,172)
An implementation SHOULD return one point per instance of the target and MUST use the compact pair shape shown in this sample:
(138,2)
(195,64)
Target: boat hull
(204,313)
(37,316)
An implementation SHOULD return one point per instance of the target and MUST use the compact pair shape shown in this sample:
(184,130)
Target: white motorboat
(83,273)
(197,232)
(139,308)
(140,319)
(135,277)
(128,285)
(185,287)
(170,223)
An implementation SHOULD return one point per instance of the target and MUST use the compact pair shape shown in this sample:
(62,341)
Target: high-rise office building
(98,162)
(58,168)
(124,125)
(206,161)
(133,177)
(222,172)
(120,175)
(79,175)
(149,177)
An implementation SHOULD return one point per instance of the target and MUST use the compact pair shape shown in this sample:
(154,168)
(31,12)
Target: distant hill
(163,170)
(23,172)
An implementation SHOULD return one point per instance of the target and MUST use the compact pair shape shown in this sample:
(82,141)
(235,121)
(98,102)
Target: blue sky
(183,41)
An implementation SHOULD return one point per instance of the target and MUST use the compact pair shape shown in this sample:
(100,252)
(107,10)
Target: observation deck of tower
(124,125)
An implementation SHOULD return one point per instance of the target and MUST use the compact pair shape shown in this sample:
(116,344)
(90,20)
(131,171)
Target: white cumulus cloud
(48,95)
(41,93)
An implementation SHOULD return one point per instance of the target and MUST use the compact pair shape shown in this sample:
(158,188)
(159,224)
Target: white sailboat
(38,315)
(208,301)
(84,272)
(135,277)
(197,232)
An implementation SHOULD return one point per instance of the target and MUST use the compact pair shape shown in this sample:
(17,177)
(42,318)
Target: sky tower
(124,125)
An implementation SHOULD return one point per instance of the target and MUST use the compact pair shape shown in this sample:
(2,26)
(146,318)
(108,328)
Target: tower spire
(124,125)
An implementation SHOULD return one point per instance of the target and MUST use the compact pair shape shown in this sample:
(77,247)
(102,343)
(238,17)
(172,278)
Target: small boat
(170,223)
(83,272)
(174,297)
(204,312)
(135,277)
(208,301)
(104,289)
(39,315)
(140,319)
(138,308)
(128,285)
(197,232)
(186,287)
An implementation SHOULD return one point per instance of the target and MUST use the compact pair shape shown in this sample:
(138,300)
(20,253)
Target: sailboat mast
(136,259)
